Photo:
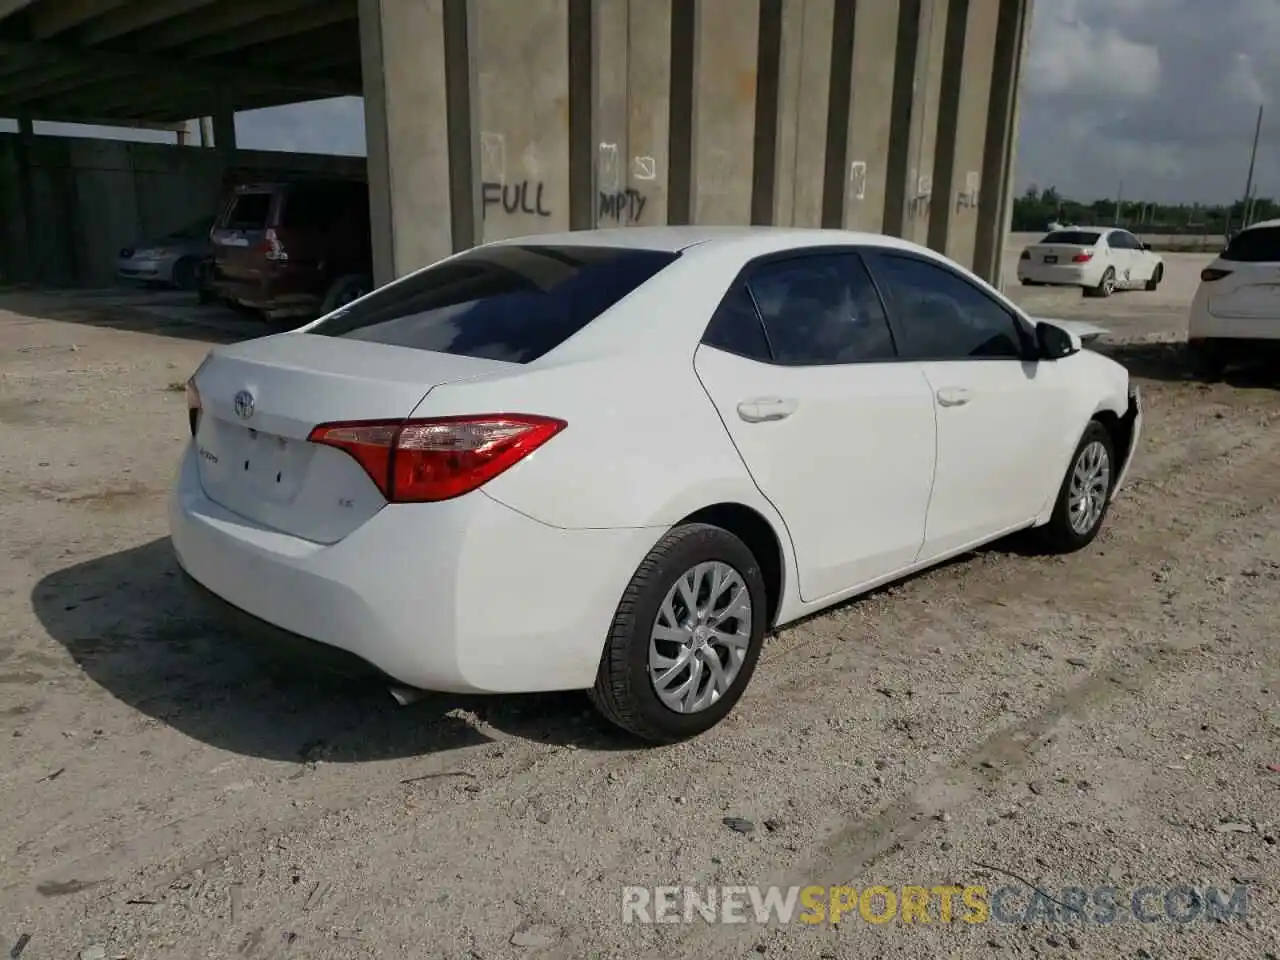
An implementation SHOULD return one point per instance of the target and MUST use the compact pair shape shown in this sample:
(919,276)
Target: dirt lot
(1107,719)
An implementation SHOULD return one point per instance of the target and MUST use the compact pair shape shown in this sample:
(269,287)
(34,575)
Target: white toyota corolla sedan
(614,460)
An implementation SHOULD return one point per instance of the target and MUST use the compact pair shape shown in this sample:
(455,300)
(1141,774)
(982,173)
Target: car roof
(1083,228)
(1261,224)
(675,239)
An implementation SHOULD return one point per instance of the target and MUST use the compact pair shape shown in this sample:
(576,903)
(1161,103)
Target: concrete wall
(92,197)
(509,119)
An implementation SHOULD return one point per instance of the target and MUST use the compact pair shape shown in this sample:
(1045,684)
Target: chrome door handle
(763,409)
(954,396)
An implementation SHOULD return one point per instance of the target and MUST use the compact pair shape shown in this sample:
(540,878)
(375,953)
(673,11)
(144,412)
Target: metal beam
(135,17)
(42,88)
(162,71)
(275,28)
(53,18)
(224,18)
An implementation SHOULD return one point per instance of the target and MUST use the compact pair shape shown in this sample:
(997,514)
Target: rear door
(834,430)
(240,231)
(999,413)
(1251,288)
(1122,255)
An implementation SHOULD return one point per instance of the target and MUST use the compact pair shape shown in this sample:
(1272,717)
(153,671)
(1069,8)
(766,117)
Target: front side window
(943,316)
(507,302)
(821,309)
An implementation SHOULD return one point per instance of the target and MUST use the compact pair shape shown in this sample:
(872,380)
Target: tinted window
(821,309)
(1074,238)
(943,316)
(249,211)
(506,302)
(1258,245)
(736,327)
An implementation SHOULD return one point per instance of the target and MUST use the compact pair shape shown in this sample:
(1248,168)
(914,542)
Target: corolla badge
(244,404)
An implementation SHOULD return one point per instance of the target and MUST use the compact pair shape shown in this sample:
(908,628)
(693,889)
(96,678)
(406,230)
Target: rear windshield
(1259,245)
(1073,238)
(249,211)
(508,302)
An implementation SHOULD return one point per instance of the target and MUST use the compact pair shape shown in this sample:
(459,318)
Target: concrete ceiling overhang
(162,61)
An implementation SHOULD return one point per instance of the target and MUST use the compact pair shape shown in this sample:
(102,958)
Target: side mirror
(1147,247)
(1054,343)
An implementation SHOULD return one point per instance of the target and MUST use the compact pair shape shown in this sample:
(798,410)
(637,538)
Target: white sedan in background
(1102,260)
(614,460)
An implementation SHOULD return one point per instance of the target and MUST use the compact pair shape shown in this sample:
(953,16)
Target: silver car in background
(174,260)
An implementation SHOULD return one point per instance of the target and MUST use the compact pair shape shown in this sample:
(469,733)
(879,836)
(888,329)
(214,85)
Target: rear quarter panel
(644,447)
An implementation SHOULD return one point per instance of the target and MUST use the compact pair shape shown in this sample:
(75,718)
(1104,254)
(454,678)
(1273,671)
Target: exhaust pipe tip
(406,695)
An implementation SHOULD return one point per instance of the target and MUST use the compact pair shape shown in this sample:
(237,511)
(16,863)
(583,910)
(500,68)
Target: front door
(993,400)
(837,434)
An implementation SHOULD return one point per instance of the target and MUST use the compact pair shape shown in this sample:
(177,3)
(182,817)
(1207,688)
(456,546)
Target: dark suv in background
(293,249)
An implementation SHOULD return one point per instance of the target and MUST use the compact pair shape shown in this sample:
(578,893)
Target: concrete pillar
(995,197)
(415,141)
(28,265)
(489,120)
(966,91)
(224,135)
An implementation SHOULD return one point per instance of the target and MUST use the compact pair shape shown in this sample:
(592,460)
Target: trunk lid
(260,400)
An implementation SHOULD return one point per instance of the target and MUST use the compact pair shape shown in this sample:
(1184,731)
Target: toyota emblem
(244,404)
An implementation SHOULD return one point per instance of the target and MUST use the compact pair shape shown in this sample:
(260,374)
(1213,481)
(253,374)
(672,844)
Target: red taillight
(272,248)
(1084,257)
(1210,274)
(193,405)
(415,461)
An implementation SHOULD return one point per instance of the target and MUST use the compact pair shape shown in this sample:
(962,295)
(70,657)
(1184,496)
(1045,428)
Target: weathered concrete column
(415,59)
(488,119)
(28,262)
(224,135)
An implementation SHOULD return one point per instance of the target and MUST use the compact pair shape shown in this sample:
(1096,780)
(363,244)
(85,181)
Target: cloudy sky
(1160,95)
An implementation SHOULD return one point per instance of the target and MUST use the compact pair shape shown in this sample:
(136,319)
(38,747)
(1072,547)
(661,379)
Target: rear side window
(508,302)
(1074,238)
(1258,245)
(249,211)
(821,310)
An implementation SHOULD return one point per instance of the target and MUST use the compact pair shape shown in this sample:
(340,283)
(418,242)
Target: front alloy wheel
(1085,493)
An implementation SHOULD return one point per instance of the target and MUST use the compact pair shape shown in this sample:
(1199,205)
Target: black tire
(1106,285)
(624,693)
(186,274)
(343,290)
(1207,362)
(1059,535)
(1156,277)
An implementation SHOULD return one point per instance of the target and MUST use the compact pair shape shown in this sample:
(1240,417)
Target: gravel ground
(1105,719)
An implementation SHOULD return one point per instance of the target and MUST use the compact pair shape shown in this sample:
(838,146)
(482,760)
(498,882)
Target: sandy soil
(1104,719)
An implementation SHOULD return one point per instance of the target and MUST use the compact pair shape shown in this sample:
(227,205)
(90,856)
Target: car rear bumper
(1058,274)
(464,596)
(1258,329)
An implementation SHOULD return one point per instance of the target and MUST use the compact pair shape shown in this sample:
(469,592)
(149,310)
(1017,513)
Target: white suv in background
(1102,260)
(1236,310)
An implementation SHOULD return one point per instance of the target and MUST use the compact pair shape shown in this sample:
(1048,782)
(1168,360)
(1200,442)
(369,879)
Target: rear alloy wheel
(1106,286)
(1156,277)
(685,638)
(1085,494)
